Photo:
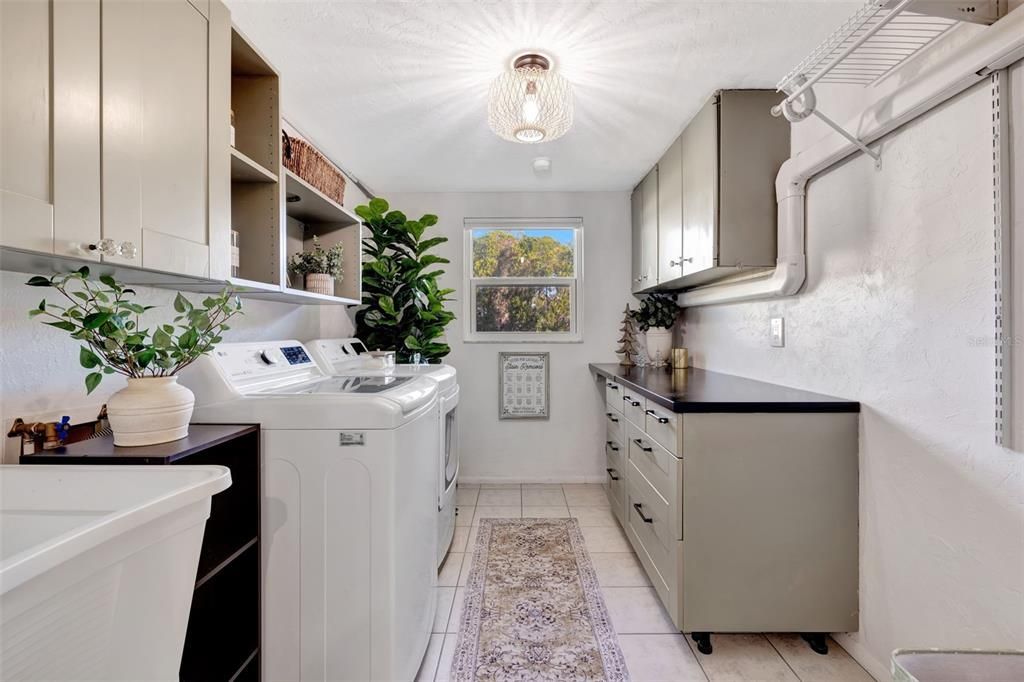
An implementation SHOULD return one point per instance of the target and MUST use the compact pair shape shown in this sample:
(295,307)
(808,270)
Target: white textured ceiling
(396,91)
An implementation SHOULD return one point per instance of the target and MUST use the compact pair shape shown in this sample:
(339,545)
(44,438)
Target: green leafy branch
(103,316)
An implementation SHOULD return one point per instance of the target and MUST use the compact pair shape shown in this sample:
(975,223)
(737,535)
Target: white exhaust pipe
(998,46)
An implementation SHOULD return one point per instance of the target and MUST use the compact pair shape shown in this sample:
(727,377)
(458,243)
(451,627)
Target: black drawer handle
(661,420)
(611,474)
(640,510)
(612,446)
(629,399)
(612,417)
(641,445)
(612,386)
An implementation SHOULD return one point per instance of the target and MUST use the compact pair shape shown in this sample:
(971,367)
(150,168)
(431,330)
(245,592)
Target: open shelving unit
(255,168)
(308,213)
(270,228)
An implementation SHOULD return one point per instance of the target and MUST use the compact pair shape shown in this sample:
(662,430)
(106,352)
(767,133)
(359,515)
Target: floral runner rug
(533,608)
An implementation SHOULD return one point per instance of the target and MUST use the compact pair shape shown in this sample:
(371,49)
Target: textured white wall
(568,447)
(39,373)
(896,313)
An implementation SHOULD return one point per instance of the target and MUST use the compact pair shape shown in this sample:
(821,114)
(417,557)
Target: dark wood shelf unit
(223,637)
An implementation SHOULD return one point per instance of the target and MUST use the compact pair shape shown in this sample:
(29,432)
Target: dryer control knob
(266,358)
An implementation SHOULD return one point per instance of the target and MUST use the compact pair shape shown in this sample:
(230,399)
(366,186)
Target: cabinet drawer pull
(661,420)
(629,399)
(612,417)
(640,444)
(612,386)
(640,510)
(611,474)
(611,445)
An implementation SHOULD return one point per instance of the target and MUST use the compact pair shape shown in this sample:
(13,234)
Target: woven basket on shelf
(304,160)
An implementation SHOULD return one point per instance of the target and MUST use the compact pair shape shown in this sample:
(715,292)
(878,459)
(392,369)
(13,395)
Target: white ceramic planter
(659,346)
(320,284)
(150,411)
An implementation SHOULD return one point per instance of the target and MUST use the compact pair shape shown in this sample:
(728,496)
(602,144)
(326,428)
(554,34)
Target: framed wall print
(523,388)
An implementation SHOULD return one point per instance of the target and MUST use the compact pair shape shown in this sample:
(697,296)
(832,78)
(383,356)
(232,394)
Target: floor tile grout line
(437,663)
(784,660)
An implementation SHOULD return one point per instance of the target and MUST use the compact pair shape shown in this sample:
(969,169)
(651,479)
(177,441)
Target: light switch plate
(778,331)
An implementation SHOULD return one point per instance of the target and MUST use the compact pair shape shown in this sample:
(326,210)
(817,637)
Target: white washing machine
(349,356)
(349,512)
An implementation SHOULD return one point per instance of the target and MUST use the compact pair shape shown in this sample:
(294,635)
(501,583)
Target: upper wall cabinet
(716,192)
(670,213)
(110,122)
(645,232)
(50,126)
(156,106)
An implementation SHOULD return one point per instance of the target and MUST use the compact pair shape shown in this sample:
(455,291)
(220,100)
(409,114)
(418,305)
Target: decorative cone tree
(627,343)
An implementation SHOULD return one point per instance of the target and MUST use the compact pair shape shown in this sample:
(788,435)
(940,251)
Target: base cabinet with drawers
(743,514)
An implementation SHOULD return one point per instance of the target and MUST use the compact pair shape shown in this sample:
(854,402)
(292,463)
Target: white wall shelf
(244,169)
(313,206)
(880,36)
(311,298)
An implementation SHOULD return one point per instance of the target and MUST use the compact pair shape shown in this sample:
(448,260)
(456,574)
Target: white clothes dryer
(349,356)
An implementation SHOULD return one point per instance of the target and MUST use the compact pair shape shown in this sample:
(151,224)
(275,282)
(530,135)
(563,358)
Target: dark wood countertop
(698,390)
(103,451)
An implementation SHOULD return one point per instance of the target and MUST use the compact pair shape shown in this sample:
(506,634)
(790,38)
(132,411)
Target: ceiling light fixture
(530,103)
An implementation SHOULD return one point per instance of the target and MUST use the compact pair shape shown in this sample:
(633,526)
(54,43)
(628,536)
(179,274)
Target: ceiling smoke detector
(542,165)
(530,103)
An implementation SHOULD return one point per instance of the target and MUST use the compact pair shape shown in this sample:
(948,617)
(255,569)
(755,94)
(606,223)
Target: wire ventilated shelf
(875,40)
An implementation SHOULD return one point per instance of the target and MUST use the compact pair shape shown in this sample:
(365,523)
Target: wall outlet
(778,331)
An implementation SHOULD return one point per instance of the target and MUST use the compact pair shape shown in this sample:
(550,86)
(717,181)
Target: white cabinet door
(49,108)
(670,213)
(700,190)
(649,232)
(636,205)
(155,151)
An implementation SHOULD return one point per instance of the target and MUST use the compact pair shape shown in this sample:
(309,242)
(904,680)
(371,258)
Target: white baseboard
(877,669)
(492,480)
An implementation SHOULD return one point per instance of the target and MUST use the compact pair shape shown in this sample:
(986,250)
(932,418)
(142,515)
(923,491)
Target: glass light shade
(530,104)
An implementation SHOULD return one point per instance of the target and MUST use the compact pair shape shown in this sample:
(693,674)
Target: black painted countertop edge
(101,450)
(705,391)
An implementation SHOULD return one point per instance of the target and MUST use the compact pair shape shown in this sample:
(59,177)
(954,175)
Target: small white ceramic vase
(659,346)
(320,284)
(150,410)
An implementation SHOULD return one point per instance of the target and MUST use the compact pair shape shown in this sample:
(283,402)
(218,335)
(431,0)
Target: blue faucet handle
(63,427)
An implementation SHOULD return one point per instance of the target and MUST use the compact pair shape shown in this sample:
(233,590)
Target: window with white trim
(523,279)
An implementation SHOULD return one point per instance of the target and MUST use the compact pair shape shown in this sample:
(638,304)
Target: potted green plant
(403,304)
(319,267)
(656,316)
(153,408)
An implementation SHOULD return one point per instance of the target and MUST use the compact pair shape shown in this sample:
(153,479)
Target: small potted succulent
(153,408)
(318,267)
(656,316)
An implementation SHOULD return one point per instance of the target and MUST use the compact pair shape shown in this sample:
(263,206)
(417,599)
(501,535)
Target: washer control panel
(279,360)
(295,355)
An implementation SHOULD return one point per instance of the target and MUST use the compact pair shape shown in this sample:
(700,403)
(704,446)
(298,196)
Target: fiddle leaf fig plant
(404,307)
(656,311)
(103,316)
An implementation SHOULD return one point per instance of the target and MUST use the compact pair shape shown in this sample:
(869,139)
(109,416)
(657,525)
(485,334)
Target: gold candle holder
(680,358)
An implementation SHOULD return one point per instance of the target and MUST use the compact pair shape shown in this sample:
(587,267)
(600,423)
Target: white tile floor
(654,651)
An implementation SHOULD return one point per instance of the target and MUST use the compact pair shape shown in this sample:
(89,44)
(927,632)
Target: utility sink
(97,568)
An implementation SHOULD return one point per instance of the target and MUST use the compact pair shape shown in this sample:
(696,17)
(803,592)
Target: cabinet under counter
(741,498)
